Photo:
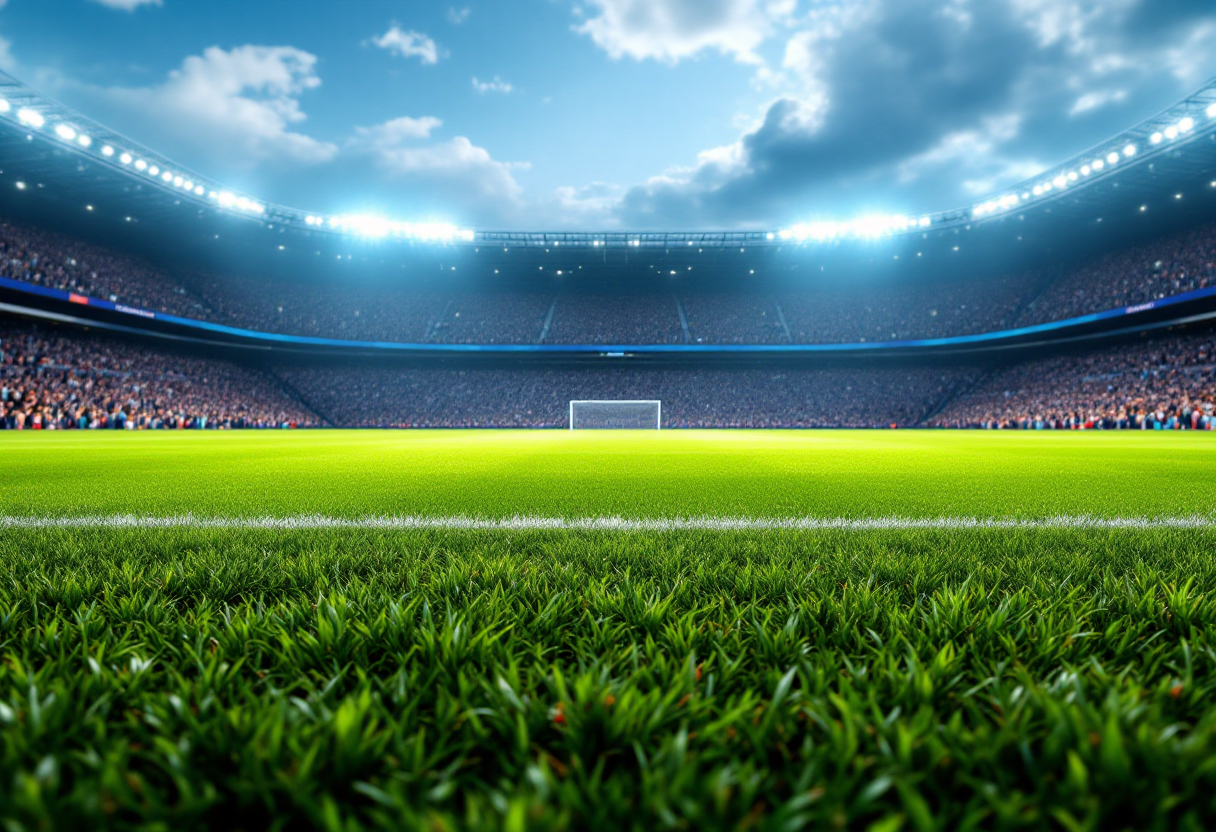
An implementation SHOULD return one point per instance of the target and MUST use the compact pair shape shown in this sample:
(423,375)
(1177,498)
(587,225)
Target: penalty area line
(310,522)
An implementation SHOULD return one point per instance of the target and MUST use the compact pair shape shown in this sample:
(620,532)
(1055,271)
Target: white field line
(606,524)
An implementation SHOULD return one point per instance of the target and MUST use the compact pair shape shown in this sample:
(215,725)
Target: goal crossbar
(619,414)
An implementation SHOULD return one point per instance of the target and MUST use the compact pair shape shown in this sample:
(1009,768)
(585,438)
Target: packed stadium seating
(61,379)
(822,313)
(1159,384)
(873,398)
(72,379)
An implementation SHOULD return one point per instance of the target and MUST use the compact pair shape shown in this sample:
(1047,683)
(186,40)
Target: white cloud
(669,30)
(1094,100)
(409,44)
(457,16)
(497,85)
(399,130)
(127,5)
(976,157)
(239,103)
(592,206)
(456,168)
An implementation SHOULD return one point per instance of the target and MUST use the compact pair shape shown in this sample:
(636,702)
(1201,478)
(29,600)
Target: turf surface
(441,679)
(639,474)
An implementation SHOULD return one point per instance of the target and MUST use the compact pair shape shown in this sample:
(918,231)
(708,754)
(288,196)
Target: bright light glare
(865,227)
(28,116)
(1186,125)
(140,165)
(1129,151)
(370,225)
(1171,132)
(83,140)
(107,151)
(1112,157)
(1155,138)
(64,132)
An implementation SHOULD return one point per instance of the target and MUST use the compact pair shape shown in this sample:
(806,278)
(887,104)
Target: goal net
(615,415)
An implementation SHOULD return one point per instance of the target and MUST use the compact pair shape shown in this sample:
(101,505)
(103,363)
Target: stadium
(344,521)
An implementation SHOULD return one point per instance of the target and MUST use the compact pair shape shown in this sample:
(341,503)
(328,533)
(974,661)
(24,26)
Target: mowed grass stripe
(316,522)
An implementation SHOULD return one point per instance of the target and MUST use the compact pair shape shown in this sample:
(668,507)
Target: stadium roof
(41,138)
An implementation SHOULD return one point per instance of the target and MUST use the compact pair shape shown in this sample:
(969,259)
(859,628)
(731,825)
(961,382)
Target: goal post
(616,414)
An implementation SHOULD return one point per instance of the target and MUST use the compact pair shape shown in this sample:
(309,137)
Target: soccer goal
(615,415)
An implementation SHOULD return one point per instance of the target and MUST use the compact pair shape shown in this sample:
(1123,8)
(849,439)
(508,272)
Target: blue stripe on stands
(583,349)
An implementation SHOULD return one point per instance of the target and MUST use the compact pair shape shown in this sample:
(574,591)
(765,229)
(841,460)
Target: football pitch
(553,630)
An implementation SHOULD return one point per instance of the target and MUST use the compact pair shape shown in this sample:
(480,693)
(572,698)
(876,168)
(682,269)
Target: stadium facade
(1097,256)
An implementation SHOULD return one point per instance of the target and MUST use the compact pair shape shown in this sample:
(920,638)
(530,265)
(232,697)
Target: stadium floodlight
(1186,125)
(1112,157)
(1129,151)
(166,177)
(64,132)
(199,190)
(1099,164)
(1155,138)
(84,141)
(1171,132)
(107,151)
(1211,111)
(1086,170)
(620,414)
(4,105)
(30,117)
(140,164)
(153,171)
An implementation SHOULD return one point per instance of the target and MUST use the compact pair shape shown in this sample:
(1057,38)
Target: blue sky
(614,113)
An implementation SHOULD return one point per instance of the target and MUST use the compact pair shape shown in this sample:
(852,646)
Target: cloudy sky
(614,113)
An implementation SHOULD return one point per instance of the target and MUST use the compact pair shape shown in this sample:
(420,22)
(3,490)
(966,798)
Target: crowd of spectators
(380,310)
(359,396)
(1169,266)
(616,319)
(46,258)
(892,311)
(735,319)
(1157,385)
(62,380)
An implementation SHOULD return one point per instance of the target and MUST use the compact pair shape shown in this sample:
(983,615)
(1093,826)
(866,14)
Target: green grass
(249,679)
(557,473)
